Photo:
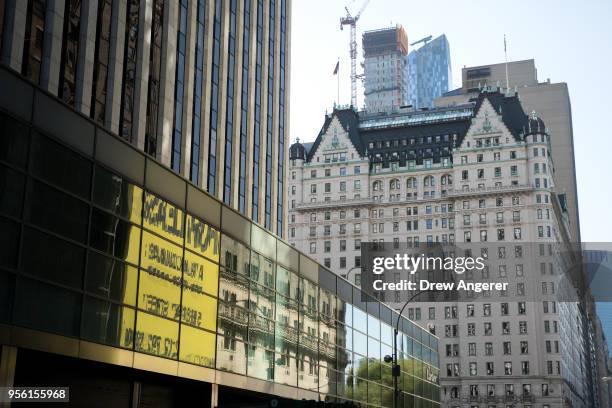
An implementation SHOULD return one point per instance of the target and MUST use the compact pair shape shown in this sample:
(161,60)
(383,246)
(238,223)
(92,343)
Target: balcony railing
(498,189)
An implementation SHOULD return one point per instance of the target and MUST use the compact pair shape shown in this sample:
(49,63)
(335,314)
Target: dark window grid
(54,189)
(214,100)
(229,117)
(16,255)
(19,281)
(197,95)
(33,40)
(129,70)
(22,174)
(43,279)
(177,135)
(111,303)
(102,58)
(258,101)
(61,146)
(128,222)
(2,12)
(155,62)
(281,124)
(70,51)
(14,126)
(246,35)
(270,113)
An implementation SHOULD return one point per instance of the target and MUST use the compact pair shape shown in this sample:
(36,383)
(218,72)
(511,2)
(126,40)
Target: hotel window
(313,247)
(508,368)
(488,349)
(490,367)
(524,347)
(506,330)
(486,309)
(473,369)
(326,246)
(501,234)
(488,329)
(522,326)
(498,172)
(129,70)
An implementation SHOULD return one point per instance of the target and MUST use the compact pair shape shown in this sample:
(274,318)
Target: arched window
(446,179)
(377,186)
(411,182)
(394,184)
(429,181)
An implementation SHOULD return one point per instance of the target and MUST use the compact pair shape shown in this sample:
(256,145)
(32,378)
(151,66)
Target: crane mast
(352,22)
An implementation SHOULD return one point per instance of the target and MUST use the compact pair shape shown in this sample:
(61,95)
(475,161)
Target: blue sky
(571,41)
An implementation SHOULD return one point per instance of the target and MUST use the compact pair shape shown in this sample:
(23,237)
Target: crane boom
(352,22)
(422,40)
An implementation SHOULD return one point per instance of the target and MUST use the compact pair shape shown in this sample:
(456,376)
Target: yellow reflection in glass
(134,198)
(199,310)
(163,218)
(157,336)
(202,238)
(201,275)
(130,284)
(160,277)
(133,246)
(197,346)
(127,327)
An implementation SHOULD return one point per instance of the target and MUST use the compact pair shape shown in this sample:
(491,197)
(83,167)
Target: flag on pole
(336,69)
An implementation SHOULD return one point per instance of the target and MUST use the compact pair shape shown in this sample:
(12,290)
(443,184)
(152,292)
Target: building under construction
(385,81)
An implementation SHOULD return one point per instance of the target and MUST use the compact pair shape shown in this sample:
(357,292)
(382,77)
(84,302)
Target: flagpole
(506,57)
(338,80)
(338,96)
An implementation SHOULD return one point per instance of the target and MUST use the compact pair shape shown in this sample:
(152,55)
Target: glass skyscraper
(429,72)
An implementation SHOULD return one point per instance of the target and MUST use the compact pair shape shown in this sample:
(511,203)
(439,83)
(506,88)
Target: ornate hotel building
(478,175)
(200,85)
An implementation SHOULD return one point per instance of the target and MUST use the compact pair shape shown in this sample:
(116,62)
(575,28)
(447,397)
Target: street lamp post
(395,369)
(346,275)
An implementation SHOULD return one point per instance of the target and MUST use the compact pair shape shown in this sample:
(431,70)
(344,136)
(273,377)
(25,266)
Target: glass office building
(429,73)
(128,283)
(202,86)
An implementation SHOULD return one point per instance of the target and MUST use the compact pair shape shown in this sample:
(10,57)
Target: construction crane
(352,21)
(422,40)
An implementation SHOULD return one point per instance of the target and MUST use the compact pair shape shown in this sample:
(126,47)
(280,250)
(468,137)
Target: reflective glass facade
(148,263)
(429,73)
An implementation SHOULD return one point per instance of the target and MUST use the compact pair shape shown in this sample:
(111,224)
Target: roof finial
(533,114)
